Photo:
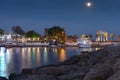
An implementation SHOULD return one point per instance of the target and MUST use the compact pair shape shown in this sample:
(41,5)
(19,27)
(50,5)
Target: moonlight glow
(88,4)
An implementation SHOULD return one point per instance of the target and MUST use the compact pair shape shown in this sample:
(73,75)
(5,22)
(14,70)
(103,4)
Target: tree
(83,36)
(112,36)
(90,36)
(32,34)
(1,31)
(46,31)
(17,30)
(55,30)
(57,33)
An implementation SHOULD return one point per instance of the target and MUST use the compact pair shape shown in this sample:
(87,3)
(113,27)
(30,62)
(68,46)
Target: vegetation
(90,36)
(55,32)
(112,36)
(32,34)
(83,36)
(72,38)
(17,30)
(1,31)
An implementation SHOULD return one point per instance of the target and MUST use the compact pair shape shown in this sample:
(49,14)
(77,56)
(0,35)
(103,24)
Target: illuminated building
(101,36)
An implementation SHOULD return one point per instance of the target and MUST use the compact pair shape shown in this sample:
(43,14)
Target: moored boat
(53,43)
(84,42)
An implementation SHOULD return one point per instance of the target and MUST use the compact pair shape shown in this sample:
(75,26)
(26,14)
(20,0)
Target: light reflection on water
(13,60)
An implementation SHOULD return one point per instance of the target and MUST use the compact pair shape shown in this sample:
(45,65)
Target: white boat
(84,42)
(53,43)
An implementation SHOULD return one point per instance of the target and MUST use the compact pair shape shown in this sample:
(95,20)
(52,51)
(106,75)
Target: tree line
(55,32)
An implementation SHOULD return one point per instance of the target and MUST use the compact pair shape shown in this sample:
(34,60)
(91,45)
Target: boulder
(35,77)
(100,73)
(12,76)
(52,70)
(77,75)
(115,76)
(3,78)
(116,66)
(26,71)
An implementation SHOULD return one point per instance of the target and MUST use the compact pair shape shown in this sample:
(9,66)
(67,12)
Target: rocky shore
(103,64)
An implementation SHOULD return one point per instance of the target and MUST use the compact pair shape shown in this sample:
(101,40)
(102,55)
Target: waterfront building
(102,36)
(6,37)
(10,37)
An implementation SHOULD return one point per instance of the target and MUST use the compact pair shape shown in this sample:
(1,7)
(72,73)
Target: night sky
(72,15)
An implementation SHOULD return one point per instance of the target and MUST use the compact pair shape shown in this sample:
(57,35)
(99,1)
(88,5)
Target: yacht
(84,42)
(53,43)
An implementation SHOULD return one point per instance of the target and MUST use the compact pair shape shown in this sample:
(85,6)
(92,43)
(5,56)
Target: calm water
(13,60)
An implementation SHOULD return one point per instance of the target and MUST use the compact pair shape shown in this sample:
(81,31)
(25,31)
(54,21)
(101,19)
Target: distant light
(88,4)
(84,42)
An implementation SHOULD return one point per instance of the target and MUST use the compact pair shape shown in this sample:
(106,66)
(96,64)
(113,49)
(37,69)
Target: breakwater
(103,64)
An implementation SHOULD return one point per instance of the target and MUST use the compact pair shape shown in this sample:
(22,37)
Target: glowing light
(4,61)
(62,54)
(45,55)
(88,4)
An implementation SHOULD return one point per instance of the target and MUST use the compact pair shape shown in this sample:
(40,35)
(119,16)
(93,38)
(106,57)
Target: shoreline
(102,64)
(94,44)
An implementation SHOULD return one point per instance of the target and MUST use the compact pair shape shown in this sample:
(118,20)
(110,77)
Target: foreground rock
(100,73)
(103,64)
(3,78)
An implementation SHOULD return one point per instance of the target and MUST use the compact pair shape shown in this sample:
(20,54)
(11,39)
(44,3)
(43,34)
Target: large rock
(35,77)
(115,76)
(56,71)
(100,73)
(116,66)
(12,76)
(77,75)
(27,71)
(3,78)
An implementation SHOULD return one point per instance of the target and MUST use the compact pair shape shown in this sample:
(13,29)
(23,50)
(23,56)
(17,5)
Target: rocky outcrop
(3,78)
(103,64)
(100,73)
(115,76)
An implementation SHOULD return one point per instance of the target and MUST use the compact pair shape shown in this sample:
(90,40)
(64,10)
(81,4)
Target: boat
(8,44)
(53,43)
(84,42)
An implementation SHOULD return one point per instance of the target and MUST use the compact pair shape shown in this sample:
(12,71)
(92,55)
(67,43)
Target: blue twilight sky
(72,15)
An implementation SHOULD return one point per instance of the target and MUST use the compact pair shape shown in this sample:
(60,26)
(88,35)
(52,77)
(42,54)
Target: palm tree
(83,36)
(1,31)
(90,36)
(112,36)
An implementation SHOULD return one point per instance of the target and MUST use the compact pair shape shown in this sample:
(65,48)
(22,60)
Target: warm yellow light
(62,54)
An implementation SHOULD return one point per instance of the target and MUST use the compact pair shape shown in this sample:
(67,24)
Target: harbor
(67,44)
(59,40)
(94,65)
(14,59)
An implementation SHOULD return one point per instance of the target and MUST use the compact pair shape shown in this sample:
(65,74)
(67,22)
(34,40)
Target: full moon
(88,4)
